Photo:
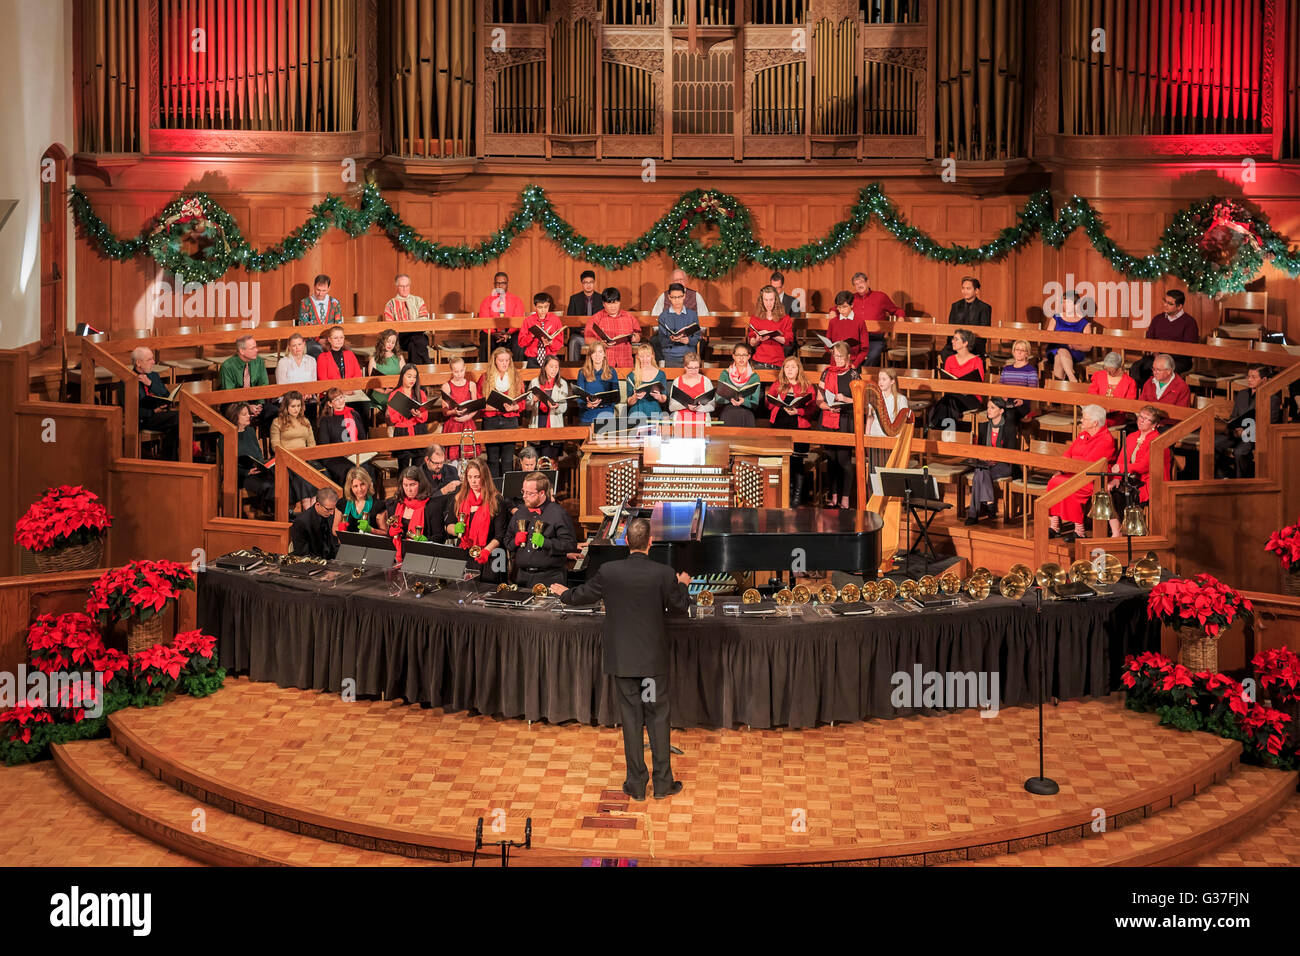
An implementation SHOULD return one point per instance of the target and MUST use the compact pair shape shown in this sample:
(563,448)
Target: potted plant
(1285,543)
(1197,609)
(1278,670)
(64,529)
(138,594)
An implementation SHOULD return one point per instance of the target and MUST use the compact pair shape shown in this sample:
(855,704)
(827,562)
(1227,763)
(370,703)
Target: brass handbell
(1050,575)
(1082,572)
(506,586)
(357,572)
(475,551)
(1111,570)
(1135,522)
(801,594)
(850,594)
(908,589)
(950,582)
(751,596)
(928,585)
(1102,508)
(980,573)
(827,594)
(978,586)
(888,590)
(784,597)
(540,590)
(1145,572)
(1024,570)
(419,587)
(1013,585)
(704,599)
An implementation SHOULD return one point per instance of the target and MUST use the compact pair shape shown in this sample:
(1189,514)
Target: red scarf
(349,424)
(478,524)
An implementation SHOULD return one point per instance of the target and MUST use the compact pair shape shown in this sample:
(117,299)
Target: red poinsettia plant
(1285,543)
(1279,674)
(65,516)
(1201,602)
(137,591)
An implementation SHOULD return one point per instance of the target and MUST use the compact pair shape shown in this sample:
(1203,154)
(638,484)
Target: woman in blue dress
(1077,317)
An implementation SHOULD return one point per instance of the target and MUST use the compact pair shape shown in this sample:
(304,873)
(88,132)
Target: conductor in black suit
(638,595)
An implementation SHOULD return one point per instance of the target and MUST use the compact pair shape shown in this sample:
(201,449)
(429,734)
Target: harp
(892,510)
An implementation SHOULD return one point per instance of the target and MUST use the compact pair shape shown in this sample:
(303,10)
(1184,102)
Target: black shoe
(991,510)
(1069,537)
(1053,533)
(632,793)
(972,519)
(676,788)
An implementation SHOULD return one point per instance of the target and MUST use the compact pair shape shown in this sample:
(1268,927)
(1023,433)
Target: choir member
(549,412)
(337,361)
(458,389)
(503,378)
(383,361)
(691,418)
(1171,325)
(585,302)
(1111,381)
(770,329)
(338,423)
(542,333)
(672,320)
(651,407)
(1076,317)
(791,385)
(872,305)
(836,403)
(597,376)
(319,308)
(292,430)
(404,307)
(962,364)
(738,411)
(155,413)
(843,324)
(694,299)
(500,304)
(1238,444)
(614,322)
(412,422)
(969,311)
(1164,385)
(1132,482)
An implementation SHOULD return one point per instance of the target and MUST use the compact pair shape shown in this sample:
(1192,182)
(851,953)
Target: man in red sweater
(872,305)
(615,323)
(500,303)
(1164,386)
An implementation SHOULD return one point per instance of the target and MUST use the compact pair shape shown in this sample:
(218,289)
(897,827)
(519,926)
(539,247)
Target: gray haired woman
(1094,442)
(1112,381)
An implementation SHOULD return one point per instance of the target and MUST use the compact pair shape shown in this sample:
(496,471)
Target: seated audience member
(1020,370)
(1171,325)
(1237,447)
(442,475)
(1164,385)
(1076,316)
(383,361)
(694,301)
(360,503)
(792,306)
(1132,482)
(338,424)
(404,307)
(691,418)
(843,324)
(836,403)
(969,311)
(1111,380)
(646,372)
(949,408)
(254,477)
(672,319)
(337,361)
(872,305)
(549,413)
(292,430)
(503,378)
(614,322)
(319,308)
(458,389)
(297,366)
(539,324)
(312,531)
(415,512)
(477,520)
(595,377)
(1094,441)
(414,422)
(792,386)
(155,413)
(894,401)
(539,535)
(770,329)
(245,370)
(585,302)
(500,304)
(738,411)
(1000,431)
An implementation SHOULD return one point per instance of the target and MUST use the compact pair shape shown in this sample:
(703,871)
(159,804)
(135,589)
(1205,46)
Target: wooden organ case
(648,469)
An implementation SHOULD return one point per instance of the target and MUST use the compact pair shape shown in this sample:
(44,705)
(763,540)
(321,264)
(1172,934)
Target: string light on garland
(203,246)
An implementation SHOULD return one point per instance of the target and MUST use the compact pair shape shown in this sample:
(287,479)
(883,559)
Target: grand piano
(700,538)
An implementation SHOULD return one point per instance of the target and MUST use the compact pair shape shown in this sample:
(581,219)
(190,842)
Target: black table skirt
(725,671)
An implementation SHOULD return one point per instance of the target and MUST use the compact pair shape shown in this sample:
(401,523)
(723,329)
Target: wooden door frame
(55,316)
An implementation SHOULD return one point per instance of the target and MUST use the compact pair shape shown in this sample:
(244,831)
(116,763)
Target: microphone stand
(506,845)
(1041,785)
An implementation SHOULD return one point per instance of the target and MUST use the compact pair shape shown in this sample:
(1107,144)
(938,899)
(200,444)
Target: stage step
(124,792)
(1176,836)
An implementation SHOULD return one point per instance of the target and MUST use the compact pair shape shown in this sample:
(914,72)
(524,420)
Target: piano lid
(673,520)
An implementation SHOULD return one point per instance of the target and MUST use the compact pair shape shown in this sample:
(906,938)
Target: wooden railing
(92,356)
(1091,473)
(1279,384)
(228,479)
(1201,422)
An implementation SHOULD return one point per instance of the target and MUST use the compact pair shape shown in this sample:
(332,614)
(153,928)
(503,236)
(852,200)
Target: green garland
(1181,251)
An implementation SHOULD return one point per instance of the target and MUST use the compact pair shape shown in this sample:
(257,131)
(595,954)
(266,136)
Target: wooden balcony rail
(227,476)
(1042,518)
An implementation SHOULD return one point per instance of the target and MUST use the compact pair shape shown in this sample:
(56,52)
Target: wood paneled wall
(158,509)
(786,212)
(23,599)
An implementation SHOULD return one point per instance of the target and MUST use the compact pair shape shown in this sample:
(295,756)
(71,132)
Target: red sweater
(328,368)
(1176,392)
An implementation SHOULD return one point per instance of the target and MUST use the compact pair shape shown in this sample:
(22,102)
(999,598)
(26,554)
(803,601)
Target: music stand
(512,482)
(444,562)
(910,483)
(366,551)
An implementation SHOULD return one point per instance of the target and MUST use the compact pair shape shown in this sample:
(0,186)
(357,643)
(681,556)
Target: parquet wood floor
(1275,843)
(893,789)
(44,823)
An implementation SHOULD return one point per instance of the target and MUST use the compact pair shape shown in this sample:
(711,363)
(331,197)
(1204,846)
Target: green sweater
(232,373)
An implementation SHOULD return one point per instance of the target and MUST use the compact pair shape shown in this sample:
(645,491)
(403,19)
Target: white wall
(35,112)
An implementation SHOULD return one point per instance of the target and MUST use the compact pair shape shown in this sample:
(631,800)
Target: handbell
(357,572)
(950,582)
(827,594)
(850,594)
(784,597)
(474,552)
(419,587)
(888,589)
(1082,572)
(1111,570)
(1102,508)
(978,586)
(1135,522)
(928,585)
(506,586)
(908,589)
(871,591)
(1024,570)
(704,599)
(981,573)
(540,590)
(802,595)
(1145,572)
(1013,585)
(1050,575)
(751,596)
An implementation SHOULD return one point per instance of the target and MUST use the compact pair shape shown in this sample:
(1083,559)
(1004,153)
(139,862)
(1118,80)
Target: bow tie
(534,511)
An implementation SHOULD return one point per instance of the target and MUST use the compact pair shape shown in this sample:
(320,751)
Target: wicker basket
(1291,582)
(70,558)
(1197,651)
(140,636)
